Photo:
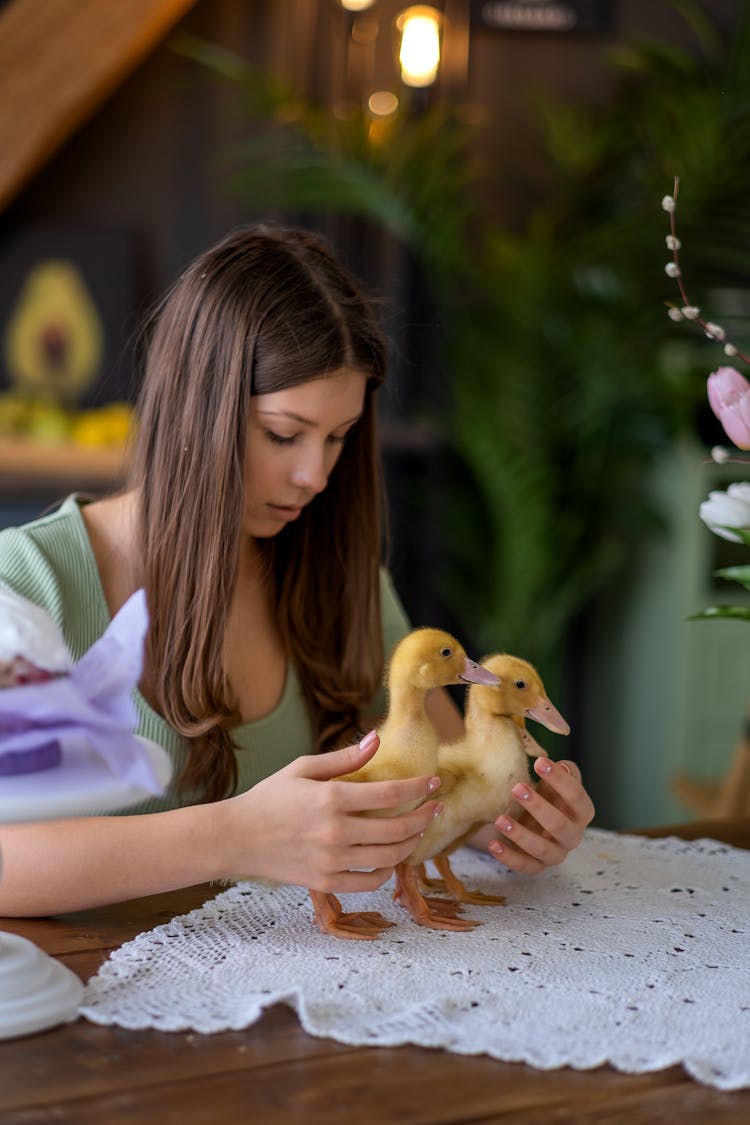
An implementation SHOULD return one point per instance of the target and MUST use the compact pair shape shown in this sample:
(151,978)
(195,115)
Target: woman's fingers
(369,796)
(325,767)
(524,849)
(375,845)
(353,882)
(381,856)
(393,829)
(552,822)
(561,784)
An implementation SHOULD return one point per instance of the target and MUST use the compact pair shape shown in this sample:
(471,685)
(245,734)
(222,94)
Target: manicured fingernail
(505,824)
(437,811)
(565,766)
(496,847)
(521,792)
(368,741)
(433,784)
(544,765)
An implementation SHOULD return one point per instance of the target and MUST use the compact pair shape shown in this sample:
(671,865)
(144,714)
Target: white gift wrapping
(634,953)
(91,705)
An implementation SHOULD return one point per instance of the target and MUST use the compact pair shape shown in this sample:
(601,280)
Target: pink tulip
(729,397)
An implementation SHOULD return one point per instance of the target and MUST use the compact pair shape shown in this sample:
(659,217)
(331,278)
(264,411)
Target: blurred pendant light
(419,55)
(356,5)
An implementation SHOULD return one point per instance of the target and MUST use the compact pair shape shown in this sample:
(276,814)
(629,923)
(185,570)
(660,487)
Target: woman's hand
(302,826)
(553,816)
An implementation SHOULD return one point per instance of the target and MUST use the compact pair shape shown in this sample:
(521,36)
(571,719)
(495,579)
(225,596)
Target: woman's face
(294,439)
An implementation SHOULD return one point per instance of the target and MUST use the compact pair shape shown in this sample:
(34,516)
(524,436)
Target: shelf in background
(36,468)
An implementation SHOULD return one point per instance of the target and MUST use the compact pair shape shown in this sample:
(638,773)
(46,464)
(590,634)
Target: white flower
(672,269)
(673,243)
(715,331)
(727,509)
(720,454)
(668,203)
(691,312)
(674,313)
(729,349)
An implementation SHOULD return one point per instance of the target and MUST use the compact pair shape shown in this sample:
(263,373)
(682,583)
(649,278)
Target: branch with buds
(687,310)
(727,514)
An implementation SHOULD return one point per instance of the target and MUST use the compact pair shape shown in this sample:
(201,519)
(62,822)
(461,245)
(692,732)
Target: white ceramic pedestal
(36,991)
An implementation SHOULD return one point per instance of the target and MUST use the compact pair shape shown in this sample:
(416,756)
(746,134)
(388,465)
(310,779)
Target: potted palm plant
(565,379)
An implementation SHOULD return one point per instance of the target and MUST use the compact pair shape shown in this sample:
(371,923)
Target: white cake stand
(36,991)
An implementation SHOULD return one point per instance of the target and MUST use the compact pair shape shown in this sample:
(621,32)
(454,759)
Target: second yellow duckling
(478,774)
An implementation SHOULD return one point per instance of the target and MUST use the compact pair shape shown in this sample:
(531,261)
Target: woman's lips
(284,511)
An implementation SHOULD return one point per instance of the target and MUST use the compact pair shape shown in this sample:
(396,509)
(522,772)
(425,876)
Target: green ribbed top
(50,562)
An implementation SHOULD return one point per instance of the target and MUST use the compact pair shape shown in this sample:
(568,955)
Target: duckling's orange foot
(363,925)
(479,898)
(448,907)
(438,919)
(436,914)
(428,882)
(459,891)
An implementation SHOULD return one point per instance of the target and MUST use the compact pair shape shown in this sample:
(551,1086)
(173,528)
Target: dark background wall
(149,171)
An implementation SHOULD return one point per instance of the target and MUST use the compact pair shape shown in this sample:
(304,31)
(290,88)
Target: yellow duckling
(478,773)
(424,659)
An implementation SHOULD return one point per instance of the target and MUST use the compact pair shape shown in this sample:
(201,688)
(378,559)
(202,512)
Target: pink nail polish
(496,847)
(433,784)
(505,824)
(368,741)
(545,765)
(521,792)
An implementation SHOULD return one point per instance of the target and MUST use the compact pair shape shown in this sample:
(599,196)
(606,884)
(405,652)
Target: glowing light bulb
(357,5)
(419,55)
(382,103)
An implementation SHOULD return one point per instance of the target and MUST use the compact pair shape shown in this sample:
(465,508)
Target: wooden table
(274,1072)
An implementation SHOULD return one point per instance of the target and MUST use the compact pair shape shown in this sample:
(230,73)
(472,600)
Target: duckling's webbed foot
(459,891)
(436,914)
(364,925)
(428,882)
(447,907)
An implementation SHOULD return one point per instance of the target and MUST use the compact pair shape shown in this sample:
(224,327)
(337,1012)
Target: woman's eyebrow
(304,421)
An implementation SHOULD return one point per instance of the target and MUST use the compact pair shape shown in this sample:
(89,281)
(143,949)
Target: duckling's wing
(448,781)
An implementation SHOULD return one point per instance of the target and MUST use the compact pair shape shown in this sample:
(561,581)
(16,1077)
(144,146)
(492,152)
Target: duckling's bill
(474,673)
(547,714)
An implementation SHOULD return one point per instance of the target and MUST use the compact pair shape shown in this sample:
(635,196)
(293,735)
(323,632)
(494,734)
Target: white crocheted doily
(634,952)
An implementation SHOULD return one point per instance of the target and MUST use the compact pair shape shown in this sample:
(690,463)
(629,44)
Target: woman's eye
(334,439)
(280,439)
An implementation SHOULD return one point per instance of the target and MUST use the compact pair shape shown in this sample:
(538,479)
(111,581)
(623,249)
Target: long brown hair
(265,309)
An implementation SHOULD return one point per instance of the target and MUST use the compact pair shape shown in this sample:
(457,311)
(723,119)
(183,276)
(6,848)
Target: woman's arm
(299,826)
(51,867)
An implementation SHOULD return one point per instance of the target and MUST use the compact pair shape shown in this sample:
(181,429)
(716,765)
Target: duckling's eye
(446,652)
(520,684)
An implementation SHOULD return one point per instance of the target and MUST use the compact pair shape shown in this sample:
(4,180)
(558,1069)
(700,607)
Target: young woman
(252,519)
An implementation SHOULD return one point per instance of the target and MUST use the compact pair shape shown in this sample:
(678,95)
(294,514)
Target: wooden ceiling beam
(59,60)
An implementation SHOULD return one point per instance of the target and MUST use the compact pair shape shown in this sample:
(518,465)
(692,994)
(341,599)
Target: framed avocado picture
(67,308)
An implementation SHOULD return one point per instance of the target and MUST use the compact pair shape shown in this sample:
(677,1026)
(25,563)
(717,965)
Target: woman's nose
(310,473)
